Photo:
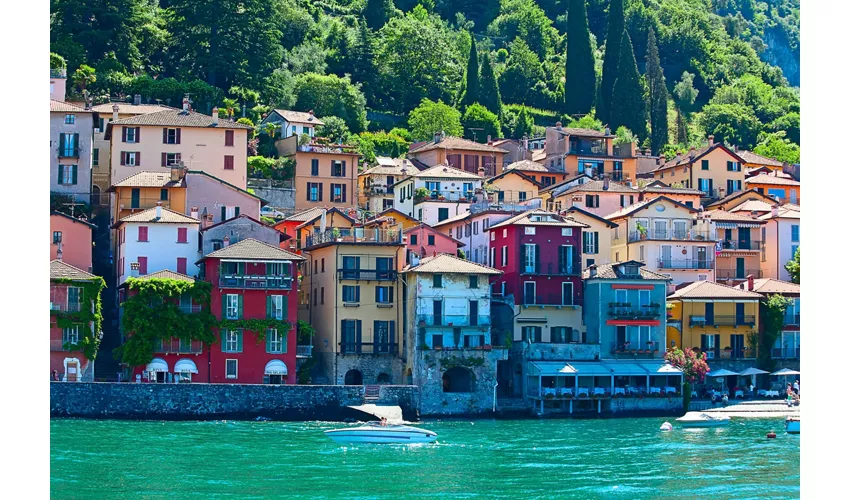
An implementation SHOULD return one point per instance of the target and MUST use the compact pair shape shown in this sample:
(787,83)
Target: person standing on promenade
(797,387)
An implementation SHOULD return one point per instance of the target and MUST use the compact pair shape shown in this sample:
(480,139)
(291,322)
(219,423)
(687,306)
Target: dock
(754,409)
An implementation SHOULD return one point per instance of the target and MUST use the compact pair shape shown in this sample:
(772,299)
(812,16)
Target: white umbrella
(324,222)
(752,372)
(722,374)
(784,373)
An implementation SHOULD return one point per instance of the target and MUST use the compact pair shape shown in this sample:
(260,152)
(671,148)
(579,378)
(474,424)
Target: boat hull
(792,426)
(694,419)
(381,435)
(694,425)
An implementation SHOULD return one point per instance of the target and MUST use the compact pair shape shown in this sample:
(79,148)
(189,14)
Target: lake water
(613,458)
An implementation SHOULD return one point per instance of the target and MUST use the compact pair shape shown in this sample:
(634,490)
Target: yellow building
(390,218)
(713,169)
(734,200)
(596,238)
(353,300)
(716,319)
(144,190)
(513,186)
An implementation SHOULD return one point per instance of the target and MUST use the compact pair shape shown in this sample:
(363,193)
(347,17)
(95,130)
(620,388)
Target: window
(314,167)
(314,191)
(413,239)
(566,231)
(567,293)
(530,230)
(442,214)
(143,233)
(182,235)
(228,162)
(70,119)
(322,295)
(505,233)
(475,227)
(338,193)
(438,281)
(733,166)
(130,158)
(431,240)
(57,237)
(337,168)
(705,164)
(641,258)
(794,250)
(231,340)
(276,307)
(231,368)
(795,234)
(504,256)
(131,134)
(561,335)
(228,138)
(590,242)
(69,145)
(532,333)
(522,196)
(232,306)
(466,230)
(170,159)
(171,136)
(95,157)
(592,200)
(71,335)
(437,340)
(68,175)
(74,295)
(383,295)
(181,265)
(529,292)
(350,294)
(467,188)
(529,258)
(163,194)
(473,281)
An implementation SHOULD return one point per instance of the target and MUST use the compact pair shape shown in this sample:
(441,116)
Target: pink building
(424,241)
(598,197)
(70,304)
(70,240)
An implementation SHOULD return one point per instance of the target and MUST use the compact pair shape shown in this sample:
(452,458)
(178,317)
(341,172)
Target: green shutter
(223,335)
(285,308)
(74,174)
(61,143)
(283,336)
(268,340)
(239,313)
(239,333)
(223,213)
(236,214)
(60,174)
(268,306)
(223,306)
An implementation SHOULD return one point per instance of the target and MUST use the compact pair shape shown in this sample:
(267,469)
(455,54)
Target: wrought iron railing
(741,245)
(367,274)
(550,299)
(686,263)
(641,349)
(304,351)
(65,308)
(665,234)
(452,320)
(356,235)
(181,346)
(367,348)
(629,311)
(723,320)
(255,281)
(785,353)
(551,269)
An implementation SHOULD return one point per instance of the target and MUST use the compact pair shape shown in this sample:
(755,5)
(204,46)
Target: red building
(68,301)
(253,280)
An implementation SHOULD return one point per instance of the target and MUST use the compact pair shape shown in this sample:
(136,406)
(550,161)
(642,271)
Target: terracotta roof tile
(599,187)
(151,179)
(127,108)
(168,217)
(753,206)
(166,274)
(457,143)
(65,107)
(626,211)
(770,285)
(63,270)
(251,249)
(525,219)
(724,216)
(771,180)
(446,172)
(750,157)
(613,271)
(712,290)
(299,117)
(180,118)
(527,165)
(583,132)
(445,263)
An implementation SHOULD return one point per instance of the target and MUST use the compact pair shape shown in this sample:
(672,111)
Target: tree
(624,136)
(580,84)
(731,123)
(693,366)
(471,87)
(610,64)
(657,96)
(779,148)
(685,95)
(83,77)
(363,60)
(772,313)
(523,19)
(431,117)
(57,61)
(333,129)
(518,83)
(627,104)
(309,57)
(372,144)
(479,123)
(489,96)
(793,267)
(330,95)
(378,12)
(277,89)
(524,124)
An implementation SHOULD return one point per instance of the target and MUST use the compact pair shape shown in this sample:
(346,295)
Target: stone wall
(335,366)
(221,401)
(431,365)
(557,352)
(281,198)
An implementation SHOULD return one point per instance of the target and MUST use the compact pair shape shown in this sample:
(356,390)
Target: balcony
(547,300)
(58,72)
(368,348)
(550,269)
(461,196)
(723,320)
(142,203)
(625,310)
(367,274)
(255,282)
(64,307)
(686,263)
(304,351)
(69,152)
(328,148)
(452,320)
(785,353)
(738,274)
(646,350)
(356,235)
(754,245)
(176,346)
(379,190)
(189,308)
(686,235)
(792,319)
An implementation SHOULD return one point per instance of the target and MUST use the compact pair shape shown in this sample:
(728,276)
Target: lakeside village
(551,272)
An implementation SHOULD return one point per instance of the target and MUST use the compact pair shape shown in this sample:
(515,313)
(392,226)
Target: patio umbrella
(722,374)
(784,374)
(752,372)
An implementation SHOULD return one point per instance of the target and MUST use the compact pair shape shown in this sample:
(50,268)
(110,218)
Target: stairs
(372,393)
(106,368)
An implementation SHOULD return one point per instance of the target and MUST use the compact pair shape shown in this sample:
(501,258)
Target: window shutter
(164,159)
(269,306)
(164,135)
(239,332)
(181,265)
(239,309)
(223,307)
(178,136)
(223,213)
(123,158)
(74,174)
(143,266)
(285,307)
(343,188)
(377,294)
(357,293)
(61,168)
(359,337)
(123,134)
(138,158)
(537,258)
(268,340)
(392,333)
(523,250)
(222,333)
(343,173)
(392,290)
(560,258)
(138,134)
(61,142)
(321,188)
(236,212)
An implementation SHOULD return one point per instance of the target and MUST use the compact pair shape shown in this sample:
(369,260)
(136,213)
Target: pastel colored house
(301,225)
(469,156)
(217,199)
(740,243)
(598,197)
(686,196)
(162,139)
(71,240)
(71,129)
(154,240)
(424,241)
(68,298)
(513,186)
(781,238)
(713,169)
(325,173)
(540,173)
(451,192)
(145,190)
(377,184)
(58,77)
(471,230)
(217,236)
(753,161)
(293,122)
(781,187)
(390,218)
(253,280)
(787,344)
(627,313)
(577,151)
(596,237)
(734,200)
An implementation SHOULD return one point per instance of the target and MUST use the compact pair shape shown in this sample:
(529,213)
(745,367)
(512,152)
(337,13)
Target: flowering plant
(692,364)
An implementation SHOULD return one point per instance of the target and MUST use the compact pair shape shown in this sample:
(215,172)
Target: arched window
(353,377)
(383,378)
(458,379)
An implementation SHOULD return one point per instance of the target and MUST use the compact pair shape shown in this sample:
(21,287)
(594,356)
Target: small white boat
(666,426)
(374,433)
(792,425)
(698,419)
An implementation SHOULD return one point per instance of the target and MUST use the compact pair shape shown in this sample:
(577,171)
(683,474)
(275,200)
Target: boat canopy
(276,367)
(157,365)
(185,366)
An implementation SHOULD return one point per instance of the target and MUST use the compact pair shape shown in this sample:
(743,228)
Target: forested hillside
(670,71)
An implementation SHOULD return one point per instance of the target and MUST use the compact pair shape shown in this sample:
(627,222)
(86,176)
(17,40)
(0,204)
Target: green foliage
(461,254)
(471,86)
(378,12)
(731,123)
(247,121)
(330,95)
(523,19)
(277,89)
(89,317)
(779,148)
(57,61)
(588,121)
(478,117)
(524,124)
(610,65)
(772,313)
(489,91)
(580,84)
(83,77)
(793,267)
(627,104)
(624,136)
(333,129)
(309,57)
(431,117)
(372,144)
(403,133)
(685,92)
(524,79)
(305,332)
(450,362)
(657,86)
(153,314)
(420,194)
(260,167)
(256,325)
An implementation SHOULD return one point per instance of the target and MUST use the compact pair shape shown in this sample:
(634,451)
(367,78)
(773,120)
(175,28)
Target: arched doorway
(95,195)
(458,379)
(353,377)
(383,379)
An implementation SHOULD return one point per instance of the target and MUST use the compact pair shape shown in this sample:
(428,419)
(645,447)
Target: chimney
(159,210)
(489,139)
(226,240)
(750,282)
(137,99)
(311,115)
(735,148)
(692,152)
(525,142)
(215,116)
(194,213)
(592,270)
(186,104)
(710,140)
(176,173)
(437,137)
(607,130)
(558,125)
(209,220)
(605,184)
(59,251)
(662,159)
(721,192)
(115,111)
(774,211)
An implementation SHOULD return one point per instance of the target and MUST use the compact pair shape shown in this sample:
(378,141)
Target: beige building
(156,141)
(512,187)
(353,300)
(463,154)
(325,174)
(714,169)
(598,197)
(377,184)
(596,238)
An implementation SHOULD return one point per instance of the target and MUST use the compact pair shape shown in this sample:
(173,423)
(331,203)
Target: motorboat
(697,419)
(373,432)
(792,425)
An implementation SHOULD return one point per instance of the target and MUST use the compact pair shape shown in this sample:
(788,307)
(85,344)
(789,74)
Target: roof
(750,157)
(712,290)
(538,155)
(770,285)
(612,272)
(419,164)
(251,249)
(168,217)
(753,206)
(465,215)
(241,216)
(662,188)
(599,187)
(554,187)
(128,108)
(446,172)
(629,210)
(391,168)
(422,225)
(299,117)
(575,209)
(586,132)
(645,164)
(738,194)
(524,219)
(527,165)
(724,216)
(66,107)
(178,118)
(685,158)
(772,180)
(60,214)
(151,179)
(317,214)
(231,186)
(445,263)
(450,142)
(514,172)
(166,274)
(788,211)
(63,270)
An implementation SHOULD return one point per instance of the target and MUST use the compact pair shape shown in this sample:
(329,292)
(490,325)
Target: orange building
(776,185)
(463,154)
(579,150)
(325,174)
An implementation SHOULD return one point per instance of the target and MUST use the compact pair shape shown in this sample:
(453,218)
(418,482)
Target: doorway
(353,377)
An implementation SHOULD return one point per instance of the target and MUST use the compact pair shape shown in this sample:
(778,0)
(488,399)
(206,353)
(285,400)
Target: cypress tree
(616,27)
(488,90)
(363,60)
(627,105)
(657,96)
(580,85)
(524,124)
(471,87)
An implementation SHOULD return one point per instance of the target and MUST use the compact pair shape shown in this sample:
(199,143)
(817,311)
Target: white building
(377,184)
(471,230)
(293,122)
(154,240)
(450,193)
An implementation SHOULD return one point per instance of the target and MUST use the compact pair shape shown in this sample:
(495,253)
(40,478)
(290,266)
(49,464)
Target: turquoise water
(615,458)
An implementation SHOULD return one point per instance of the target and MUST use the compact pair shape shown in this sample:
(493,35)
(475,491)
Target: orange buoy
(771,435)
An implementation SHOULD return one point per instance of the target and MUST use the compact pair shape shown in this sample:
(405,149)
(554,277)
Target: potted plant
(441,198)
(336,234)
(642,230)
(487,347)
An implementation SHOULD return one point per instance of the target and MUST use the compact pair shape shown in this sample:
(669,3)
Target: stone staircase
(105,366)
(372,392)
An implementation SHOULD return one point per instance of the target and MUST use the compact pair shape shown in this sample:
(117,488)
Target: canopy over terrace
(579,379)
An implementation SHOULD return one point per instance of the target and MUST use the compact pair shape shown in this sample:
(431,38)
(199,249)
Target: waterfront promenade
(753,409)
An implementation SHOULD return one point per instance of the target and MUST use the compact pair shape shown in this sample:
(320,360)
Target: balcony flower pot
(549,396)
(568,395)
(487,347)
(439,348)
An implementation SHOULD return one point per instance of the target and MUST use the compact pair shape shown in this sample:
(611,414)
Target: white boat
(374,433)
(698,419)
(792,425)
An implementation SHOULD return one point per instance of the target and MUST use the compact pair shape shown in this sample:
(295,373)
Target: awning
(722,373)
(185,366)
(551,368)
(276,367)
(752,371)
(785,371)
(157,365)
(591,369)
(626,369)
(661,369)
(734,225)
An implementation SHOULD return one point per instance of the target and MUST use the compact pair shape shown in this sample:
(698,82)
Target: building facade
(475,158)
(714,169)
(424,241)
(146,190)
(597,197)
(596,237)
(781,237)
(325,173)
(578,151)
(740,247)
(218,200)
(217,236)
(377,184)
(450,193)
(293,122)
(71,129)
(68,299)
(471,230)
(71,240)
(787,343)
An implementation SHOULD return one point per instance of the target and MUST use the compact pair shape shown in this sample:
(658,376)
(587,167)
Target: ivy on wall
(256,325)
(89,340)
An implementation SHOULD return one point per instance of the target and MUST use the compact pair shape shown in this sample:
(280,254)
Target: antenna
(473,132)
